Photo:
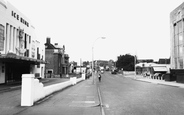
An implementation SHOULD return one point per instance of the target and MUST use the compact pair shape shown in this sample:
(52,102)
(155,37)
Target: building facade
(58,61)
(177,34)
(20,53)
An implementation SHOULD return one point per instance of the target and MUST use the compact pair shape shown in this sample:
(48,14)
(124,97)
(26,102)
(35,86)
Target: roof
(160,68)
(15,58)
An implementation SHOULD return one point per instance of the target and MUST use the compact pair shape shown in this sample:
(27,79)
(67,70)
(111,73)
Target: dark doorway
(14,71)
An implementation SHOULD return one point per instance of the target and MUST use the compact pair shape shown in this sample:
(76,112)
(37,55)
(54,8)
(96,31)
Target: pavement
(80,99)
(155,81)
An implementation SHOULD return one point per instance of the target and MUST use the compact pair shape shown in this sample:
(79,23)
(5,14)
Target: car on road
(114,71)
(102,71)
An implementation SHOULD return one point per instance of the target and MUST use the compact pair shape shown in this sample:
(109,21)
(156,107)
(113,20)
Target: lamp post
(93,56)
(135,65)
(135,59)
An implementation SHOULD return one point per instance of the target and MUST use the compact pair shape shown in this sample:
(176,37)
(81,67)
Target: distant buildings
(58,61)
(149,67)
(164,61)
(145,60)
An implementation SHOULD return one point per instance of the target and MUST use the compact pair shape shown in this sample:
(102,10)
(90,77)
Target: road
(126,96)
(120,95)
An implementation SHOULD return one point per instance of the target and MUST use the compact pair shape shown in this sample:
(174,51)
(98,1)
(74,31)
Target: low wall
(56,87)
(129,72)
(37,91)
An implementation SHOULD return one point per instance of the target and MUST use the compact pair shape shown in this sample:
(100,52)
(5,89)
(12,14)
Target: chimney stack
(48,40)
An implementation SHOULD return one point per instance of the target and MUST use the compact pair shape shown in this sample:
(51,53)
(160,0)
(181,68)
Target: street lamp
(135,65)
(93,55)
(135,59)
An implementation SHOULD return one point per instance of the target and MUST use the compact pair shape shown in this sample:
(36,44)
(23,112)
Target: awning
(160,68)
(10,57)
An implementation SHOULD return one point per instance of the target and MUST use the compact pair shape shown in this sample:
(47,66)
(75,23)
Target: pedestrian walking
(99,77)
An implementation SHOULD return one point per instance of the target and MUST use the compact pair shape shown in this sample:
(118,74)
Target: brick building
(58,61)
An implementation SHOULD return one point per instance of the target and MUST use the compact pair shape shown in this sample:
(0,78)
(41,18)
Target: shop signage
(19,18)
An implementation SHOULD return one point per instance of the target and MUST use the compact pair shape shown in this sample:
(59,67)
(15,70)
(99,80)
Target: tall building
(20,52)
(58,61)
(177,37)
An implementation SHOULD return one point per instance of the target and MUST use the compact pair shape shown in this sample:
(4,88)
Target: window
(29,39)
(38,66)
(176,40)
(175,52)
(175,29)
(180,39)
(1,37)
(10,37)
(178,45)
(180,51)
(180,26)
(25,42)
(176,63)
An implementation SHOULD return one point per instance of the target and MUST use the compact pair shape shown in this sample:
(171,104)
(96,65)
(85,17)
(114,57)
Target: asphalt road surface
(125,96)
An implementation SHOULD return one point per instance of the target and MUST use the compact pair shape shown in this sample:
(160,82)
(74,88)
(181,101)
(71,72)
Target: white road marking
(88,102)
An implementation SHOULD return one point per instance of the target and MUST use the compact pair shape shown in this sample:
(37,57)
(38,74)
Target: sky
(136,27)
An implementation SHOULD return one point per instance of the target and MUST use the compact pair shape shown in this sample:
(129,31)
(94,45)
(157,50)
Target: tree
(85,63)
(127,62)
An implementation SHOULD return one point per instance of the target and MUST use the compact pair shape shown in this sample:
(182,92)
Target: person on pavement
(99,77)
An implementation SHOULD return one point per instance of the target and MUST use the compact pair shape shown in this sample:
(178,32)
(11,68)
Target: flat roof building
(177,37)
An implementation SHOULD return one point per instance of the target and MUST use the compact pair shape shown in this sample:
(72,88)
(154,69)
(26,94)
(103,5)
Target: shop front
(13,66)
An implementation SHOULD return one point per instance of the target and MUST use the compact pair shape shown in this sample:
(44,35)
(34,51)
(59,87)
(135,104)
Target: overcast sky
(139,27)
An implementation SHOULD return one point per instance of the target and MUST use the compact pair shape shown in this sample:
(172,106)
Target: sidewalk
(156,81)
(8,87)
(80,99)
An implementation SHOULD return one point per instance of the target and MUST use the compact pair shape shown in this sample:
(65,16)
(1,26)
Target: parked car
(157,76)
(114,71)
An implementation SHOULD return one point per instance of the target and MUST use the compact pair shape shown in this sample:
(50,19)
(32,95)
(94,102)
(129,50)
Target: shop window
(1,37)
